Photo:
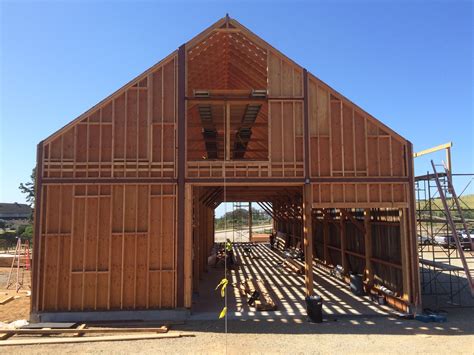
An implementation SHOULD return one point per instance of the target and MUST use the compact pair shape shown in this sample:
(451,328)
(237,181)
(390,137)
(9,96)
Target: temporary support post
(308,239)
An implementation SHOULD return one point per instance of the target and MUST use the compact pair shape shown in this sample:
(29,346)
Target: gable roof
(225,23)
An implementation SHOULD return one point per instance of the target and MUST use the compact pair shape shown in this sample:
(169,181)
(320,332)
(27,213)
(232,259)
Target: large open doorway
(268,267)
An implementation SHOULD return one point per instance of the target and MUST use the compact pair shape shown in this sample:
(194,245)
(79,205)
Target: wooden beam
(358,224)
(432,150)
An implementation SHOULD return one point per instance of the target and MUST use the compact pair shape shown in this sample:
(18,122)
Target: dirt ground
(379,334)
(349,333)
(18,308)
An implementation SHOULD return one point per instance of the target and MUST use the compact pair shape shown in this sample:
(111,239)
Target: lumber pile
(80,335)
(258,293)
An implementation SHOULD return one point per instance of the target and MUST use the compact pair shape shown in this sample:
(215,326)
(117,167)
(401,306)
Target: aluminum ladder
(450,220)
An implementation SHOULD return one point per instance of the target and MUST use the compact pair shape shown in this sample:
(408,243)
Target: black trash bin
(314,308)
(357,284)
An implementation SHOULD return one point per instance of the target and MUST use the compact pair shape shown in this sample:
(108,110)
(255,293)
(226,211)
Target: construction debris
(83,330)
(78,335)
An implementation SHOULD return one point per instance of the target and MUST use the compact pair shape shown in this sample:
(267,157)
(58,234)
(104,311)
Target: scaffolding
(241,223)
(442,274)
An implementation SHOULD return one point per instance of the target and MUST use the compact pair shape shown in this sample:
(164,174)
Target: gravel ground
(378,334)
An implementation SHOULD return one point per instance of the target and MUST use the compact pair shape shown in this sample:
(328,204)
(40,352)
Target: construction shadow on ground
(343,312)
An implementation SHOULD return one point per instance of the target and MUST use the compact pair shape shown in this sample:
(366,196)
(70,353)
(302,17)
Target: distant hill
(467,204)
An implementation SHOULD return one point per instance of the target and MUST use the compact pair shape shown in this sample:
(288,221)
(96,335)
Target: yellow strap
(223,313)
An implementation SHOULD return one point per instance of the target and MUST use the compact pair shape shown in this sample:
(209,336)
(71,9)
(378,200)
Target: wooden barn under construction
(126,192)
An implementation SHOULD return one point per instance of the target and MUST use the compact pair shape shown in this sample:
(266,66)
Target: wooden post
(181,172)
(35,269)
(369,274)
(405,254)
(415,296)
(342,230)
(308,239)
(188,248)
(326,238)
(195,216)
(227,132)
(250,221)
(448,159)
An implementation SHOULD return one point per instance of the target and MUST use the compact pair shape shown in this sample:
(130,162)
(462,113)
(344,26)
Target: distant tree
(20,230)
(28,233)
(3,224)
(28,188)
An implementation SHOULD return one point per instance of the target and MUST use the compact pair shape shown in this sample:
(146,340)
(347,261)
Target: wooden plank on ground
(67,340)
(7,299)
(52,325)
(162,329)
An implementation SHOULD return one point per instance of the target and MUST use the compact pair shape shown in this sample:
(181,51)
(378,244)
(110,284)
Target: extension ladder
(450,219)
(22,259)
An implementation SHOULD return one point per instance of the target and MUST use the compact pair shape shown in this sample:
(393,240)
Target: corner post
(415,296)
(181,173)
(35,272)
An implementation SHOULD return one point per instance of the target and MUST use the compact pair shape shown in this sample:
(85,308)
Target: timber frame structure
(126,191)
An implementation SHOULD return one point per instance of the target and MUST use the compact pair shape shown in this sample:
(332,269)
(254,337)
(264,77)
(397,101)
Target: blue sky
(409,63)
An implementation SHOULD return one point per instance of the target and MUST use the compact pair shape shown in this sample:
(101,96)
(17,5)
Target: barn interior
(339,238)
